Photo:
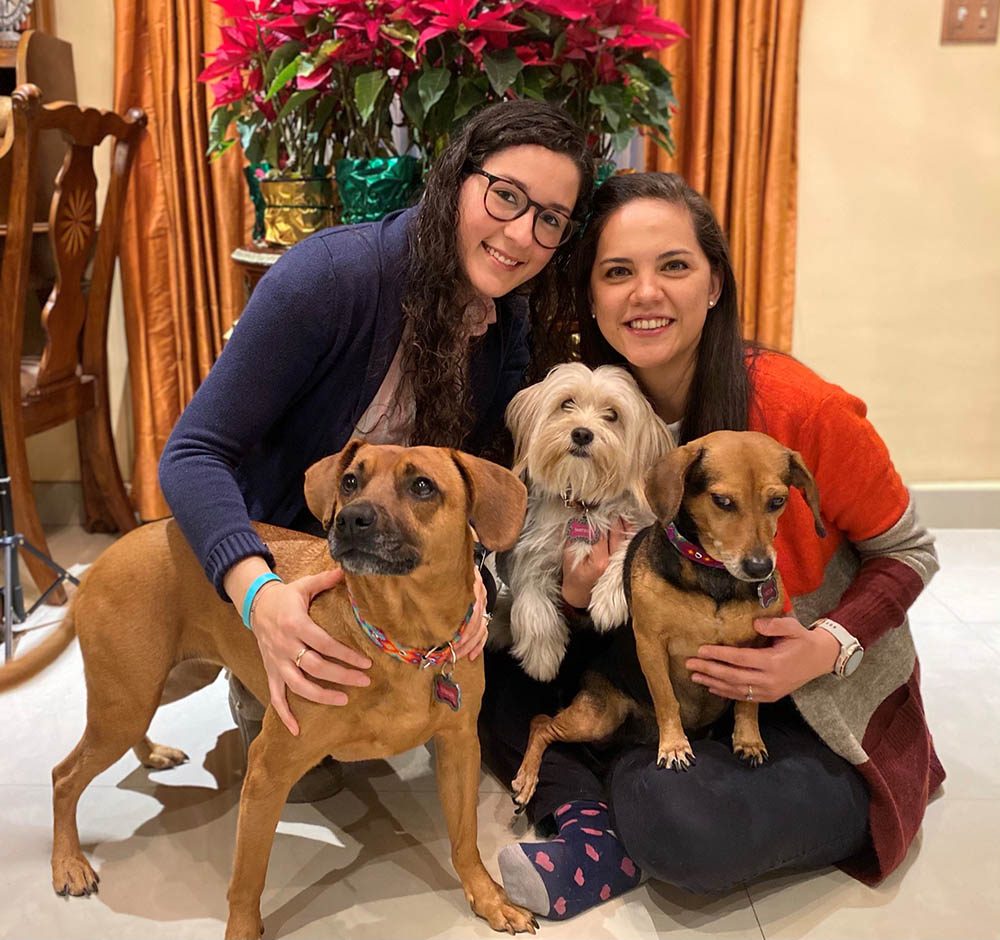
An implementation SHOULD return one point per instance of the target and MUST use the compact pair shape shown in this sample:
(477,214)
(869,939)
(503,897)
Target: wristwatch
(851,651)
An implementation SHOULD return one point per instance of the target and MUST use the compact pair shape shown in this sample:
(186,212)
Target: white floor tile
(946,887)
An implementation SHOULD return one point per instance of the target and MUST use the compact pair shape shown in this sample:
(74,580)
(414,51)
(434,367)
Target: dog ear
(323,481)
(519,415)
(498,500)
(653,440)
(799,476)
(664,482)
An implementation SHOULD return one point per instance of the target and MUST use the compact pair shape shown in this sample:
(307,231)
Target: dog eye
(422,488)
(610,415)
(724,502)
(349,483)
(566,405)
(776,502)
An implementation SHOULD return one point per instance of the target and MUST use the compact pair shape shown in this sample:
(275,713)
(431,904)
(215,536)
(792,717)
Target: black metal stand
(10,542)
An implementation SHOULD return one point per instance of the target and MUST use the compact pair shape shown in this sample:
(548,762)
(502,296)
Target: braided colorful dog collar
(446,689)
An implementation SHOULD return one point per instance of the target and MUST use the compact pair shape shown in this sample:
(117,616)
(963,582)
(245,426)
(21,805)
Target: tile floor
(372,862)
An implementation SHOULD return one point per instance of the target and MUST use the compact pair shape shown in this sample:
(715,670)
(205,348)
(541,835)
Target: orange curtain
(736,82)
(183,218)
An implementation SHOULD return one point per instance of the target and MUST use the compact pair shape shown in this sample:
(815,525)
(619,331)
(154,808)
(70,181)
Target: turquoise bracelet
(252,592)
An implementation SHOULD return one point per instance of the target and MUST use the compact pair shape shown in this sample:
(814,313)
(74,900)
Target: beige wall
(898,295)
(90,28)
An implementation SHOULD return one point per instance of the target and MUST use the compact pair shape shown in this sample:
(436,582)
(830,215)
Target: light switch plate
(970,21)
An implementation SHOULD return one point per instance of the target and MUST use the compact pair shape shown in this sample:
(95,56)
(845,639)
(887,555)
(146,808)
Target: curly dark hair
(436,360)
(719,397)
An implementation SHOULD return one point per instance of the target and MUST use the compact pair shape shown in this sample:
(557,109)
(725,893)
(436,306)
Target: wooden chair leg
(26,519)
(107,507)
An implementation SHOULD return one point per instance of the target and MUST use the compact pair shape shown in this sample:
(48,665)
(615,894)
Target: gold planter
(295,208)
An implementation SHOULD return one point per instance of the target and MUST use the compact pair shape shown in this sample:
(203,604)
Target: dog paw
(608,607)
(159,756)
(74,876)
(523,787)
(750,752)
(677,755)
(504,915)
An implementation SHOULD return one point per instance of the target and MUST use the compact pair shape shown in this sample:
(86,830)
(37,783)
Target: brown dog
(701,575)
(399,525)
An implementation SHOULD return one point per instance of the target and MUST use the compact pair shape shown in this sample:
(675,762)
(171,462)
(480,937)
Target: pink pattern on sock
(591,832)
(592,852)
(560,906)
(628,866)
(578,877)
(603,805)
(560,840)
(605,892)
(590,812)
(543,861)
(562,809)
(569,822)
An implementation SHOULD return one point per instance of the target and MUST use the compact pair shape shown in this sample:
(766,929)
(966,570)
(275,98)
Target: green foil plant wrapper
(370,188)
(254,173)
(605,170)
(295,208)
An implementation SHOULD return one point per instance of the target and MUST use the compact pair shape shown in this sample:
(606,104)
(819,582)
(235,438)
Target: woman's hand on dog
(578,580)
(794,657)
(477,632)
(283,628)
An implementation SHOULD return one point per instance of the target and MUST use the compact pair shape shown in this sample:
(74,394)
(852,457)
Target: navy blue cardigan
(304,362)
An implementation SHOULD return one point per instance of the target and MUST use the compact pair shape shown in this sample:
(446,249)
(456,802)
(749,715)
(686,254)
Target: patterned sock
(585,865)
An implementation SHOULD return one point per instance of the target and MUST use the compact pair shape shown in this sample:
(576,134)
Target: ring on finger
(298,656)
(749,693)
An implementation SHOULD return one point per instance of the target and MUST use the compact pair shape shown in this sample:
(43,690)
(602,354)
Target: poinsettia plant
(304,82)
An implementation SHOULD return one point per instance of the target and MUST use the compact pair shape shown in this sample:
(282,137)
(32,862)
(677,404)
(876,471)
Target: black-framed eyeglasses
(505,201)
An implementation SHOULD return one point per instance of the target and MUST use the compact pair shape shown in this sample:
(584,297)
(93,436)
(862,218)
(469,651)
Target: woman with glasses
(851,761)
(412,330)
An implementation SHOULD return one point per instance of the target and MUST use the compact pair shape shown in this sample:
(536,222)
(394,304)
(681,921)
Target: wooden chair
(69,380)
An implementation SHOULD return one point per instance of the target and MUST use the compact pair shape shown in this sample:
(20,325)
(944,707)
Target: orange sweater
(865,574)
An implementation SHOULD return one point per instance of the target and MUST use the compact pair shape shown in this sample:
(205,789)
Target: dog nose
(757,567)
(355,519)
(582,436)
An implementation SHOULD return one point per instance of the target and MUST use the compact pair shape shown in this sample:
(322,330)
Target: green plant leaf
(271,147)
(540,21)
(367,88)
(282,78)
(412,108)
(431,85)
(559,45)
(297,100)
(613,102)
(218,125)
(280,58)
(623,138)
(470,95)
(568,73)
(249,129)
(502,68)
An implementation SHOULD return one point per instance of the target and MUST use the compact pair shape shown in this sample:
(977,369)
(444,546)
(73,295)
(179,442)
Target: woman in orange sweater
(852,763)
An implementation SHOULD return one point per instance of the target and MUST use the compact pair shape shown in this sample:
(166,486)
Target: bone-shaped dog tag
(767,592)
(447,690)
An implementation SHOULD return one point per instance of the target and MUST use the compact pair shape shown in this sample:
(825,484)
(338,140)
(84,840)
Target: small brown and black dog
(398,523)
(701,575)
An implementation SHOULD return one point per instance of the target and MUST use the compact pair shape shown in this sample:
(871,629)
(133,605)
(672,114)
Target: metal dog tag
(447,690)
(767,592)
(580,530)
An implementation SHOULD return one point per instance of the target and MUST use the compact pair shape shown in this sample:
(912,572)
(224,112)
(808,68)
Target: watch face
(853,661)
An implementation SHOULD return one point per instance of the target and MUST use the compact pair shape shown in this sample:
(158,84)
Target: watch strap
(849,643)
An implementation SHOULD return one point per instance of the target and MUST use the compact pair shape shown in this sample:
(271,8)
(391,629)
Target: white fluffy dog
(584,440)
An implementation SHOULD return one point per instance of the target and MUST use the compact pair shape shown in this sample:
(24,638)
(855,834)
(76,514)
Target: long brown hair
(436,361)
(719,397)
